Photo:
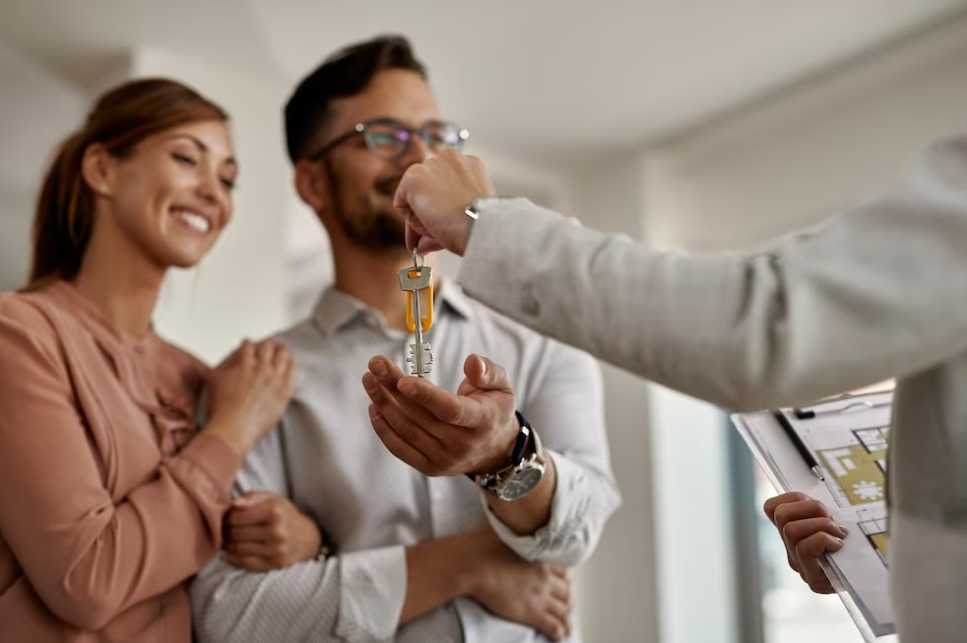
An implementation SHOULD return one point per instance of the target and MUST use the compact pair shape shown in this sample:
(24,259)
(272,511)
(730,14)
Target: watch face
(522,483)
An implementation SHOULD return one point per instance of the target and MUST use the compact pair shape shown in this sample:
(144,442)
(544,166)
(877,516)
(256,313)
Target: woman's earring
(102,188)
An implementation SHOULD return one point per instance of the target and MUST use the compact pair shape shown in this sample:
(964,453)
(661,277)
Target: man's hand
(433,197)
(478,565)
(439,433)
(266,532)
(533,594)
(808,531)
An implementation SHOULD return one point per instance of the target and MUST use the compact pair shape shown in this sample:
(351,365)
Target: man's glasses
(391,140)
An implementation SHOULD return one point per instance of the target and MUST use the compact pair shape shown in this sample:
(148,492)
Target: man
(415,558)
(877,293)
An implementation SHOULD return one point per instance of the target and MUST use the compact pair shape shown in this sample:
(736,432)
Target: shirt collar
(451,297)
(336,309)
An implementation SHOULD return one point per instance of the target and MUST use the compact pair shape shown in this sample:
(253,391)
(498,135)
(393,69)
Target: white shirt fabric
(326,457)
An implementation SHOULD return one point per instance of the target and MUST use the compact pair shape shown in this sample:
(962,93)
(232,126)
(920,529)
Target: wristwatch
(474,209)
(523,472)
(473,213)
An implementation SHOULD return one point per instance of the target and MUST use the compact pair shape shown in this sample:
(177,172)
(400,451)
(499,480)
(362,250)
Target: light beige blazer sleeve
(880,291)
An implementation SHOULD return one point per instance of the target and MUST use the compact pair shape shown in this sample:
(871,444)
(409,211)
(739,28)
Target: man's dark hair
(345,73)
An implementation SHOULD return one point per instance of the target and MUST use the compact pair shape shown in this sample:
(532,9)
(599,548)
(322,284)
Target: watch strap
(524,437)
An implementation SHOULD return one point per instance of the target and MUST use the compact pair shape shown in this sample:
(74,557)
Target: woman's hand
(266,531)
(248,392)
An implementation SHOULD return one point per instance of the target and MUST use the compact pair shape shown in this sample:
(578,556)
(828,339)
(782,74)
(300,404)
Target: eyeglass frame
(363,128)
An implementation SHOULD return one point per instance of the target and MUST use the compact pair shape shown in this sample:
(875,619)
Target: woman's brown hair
(121,118)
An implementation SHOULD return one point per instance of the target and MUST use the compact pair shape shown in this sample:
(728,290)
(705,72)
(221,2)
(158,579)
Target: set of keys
(417,283)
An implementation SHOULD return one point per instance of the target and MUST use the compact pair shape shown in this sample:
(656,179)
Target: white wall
(791,161)
(39,110)
(617,587)
(241,288)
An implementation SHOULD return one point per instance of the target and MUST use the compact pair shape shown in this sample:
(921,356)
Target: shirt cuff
(373,589)
(550,541)
(209,459)
(485,234)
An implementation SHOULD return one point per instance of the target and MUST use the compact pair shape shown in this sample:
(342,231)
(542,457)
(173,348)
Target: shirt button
(437,496)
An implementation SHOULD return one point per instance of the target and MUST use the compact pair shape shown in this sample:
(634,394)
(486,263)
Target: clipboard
(847,437)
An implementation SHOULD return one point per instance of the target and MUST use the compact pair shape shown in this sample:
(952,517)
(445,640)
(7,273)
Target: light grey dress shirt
(329,461)
(878,292)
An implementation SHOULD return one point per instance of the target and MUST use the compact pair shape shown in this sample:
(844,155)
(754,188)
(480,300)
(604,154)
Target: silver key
(421,356)
(422,361)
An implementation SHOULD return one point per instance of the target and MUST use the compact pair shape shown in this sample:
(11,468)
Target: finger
(560,589)
(389,376)
(246,352)
(417,224)
(401,200)
(446,407)
(232,357)
(808,552)
(550,623)
(395,444)
(249,534)
(799,530)
(251,563)
(258,513)
(486,375)
(386,372)
(426,245)
(561,612)
(265,353)
(408,430)
(412,237)
(288,376)
(261,550)
(250,498)
(772,503)
(796,532)
(801,510)
(418,229)
(282,356)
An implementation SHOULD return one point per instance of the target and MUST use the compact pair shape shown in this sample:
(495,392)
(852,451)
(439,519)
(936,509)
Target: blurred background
(702,126)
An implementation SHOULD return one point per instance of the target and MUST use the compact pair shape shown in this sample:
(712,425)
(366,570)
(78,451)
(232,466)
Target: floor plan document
(847,437)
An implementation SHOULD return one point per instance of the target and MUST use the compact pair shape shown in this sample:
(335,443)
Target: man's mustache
(389,184)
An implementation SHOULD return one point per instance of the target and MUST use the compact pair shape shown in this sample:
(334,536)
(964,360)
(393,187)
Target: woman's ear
(97,168)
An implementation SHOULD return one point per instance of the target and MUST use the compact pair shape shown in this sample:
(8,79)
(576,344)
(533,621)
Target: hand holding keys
(417,282)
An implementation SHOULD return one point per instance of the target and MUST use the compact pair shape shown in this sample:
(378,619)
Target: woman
(112,496)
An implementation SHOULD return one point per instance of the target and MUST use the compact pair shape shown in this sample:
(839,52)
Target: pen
(800,447)
(808,414)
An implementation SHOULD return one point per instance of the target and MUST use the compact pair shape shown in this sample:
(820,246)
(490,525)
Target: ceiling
(532,77)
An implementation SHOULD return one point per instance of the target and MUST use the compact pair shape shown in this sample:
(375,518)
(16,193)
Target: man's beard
(377,229)
(368,225)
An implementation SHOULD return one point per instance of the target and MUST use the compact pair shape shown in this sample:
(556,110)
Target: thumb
(427,245)
(412,237)
(484,374)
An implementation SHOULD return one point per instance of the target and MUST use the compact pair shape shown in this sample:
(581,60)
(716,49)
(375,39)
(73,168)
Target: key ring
(422,262)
